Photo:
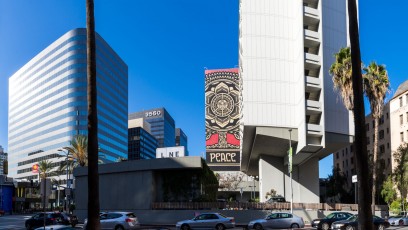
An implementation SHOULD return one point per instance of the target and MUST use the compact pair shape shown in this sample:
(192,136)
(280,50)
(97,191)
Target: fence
(257,206)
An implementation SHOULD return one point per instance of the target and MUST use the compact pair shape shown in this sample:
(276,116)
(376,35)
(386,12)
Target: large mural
(222,116)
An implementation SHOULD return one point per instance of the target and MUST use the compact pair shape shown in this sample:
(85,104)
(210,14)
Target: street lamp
(68,185)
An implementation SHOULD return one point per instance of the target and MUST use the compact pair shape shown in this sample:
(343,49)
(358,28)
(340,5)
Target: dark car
(276,199)
(326,222)
(352,223)
(51,218)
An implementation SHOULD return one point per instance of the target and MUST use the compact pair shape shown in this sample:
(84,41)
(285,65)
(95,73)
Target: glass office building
(162,125)
(48,103)
(142,144)
(181,140)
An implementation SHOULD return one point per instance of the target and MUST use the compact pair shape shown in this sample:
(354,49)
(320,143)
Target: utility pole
(290,170)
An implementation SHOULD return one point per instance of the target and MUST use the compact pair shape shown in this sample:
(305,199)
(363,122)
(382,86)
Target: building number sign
(153,113)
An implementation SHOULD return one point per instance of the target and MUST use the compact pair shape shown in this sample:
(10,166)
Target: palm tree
(45,170)
(78,150)
(342,80)
(376,85)
(93,175)
(360,142)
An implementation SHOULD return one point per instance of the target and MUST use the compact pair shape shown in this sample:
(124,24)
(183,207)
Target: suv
(51,218)
(117,221)
(276,199)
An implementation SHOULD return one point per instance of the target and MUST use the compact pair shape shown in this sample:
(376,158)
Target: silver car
(398,220)
(207,220)
(117,221)
(281,220)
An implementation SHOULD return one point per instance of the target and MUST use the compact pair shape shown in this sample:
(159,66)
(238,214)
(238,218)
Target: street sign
(354,179)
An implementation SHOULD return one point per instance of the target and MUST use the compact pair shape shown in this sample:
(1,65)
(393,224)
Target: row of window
(402,118)
(402,136)
(401,101)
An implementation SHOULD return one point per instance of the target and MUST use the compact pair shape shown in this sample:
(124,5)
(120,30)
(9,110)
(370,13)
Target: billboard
(177,151)
(222,117)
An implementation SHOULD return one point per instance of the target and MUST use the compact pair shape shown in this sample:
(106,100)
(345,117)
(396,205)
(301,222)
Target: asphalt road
(16,222)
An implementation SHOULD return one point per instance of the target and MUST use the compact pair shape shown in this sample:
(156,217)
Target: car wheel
(349,228)
(119,227)
(73,225)
(294,226)
(185,227)
(258,227)
(28,226)
(325,226)
(381,227)
(401,223)
(220,227)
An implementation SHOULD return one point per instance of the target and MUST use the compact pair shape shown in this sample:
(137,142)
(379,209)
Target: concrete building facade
(182,140)
(3,157)
(285,52)
(48,103)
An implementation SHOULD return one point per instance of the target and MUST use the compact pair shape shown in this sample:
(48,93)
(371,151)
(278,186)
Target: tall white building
(285,52)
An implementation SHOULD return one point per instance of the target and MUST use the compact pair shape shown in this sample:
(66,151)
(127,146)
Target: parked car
(326,222)
(117,221)
(37,220)
(56,227)
(398,220)
(276,199)
(207,220)
(278,221)
(352,223)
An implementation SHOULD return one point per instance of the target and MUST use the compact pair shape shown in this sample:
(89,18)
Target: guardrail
(257,206)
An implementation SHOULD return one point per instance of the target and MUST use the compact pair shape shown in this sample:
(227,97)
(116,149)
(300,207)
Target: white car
(279,220)
(398,220)
(56,227)
(207,220)
(117,221)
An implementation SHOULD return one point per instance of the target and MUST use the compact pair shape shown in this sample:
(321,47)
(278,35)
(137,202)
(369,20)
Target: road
(16,222)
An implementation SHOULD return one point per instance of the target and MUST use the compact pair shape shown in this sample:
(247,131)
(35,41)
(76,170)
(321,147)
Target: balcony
(312,61)
(311,16)
(313,83)
(312,38)
(314,130)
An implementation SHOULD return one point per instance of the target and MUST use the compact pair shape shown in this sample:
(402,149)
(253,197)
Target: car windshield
(222,215)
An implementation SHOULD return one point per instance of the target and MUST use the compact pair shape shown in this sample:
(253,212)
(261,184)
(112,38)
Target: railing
(258,206)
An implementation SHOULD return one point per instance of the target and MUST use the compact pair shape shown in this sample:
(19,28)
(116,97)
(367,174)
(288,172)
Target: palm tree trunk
(375,157)
(364,207)
(93,176)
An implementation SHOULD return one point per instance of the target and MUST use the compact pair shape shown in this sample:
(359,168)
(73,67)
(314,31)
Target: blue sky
(167,45)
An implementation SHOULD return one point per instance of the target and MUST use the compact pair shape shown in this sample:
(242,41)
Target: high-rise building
(181,140)
(285,52)
(48,103)
(162,125)
(3,157)
(141,144)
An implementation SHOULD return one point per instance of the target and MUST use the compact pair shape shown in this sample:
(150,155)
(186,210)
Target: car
(352,223)
(276,199)
(398,220)
(55,227)
(326,222)
(277,220)
(207,220)
(51,218)
(117,221)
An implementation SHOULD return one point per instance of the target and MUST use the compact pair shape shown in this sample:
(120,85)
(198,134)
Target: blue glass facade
(181,140)
(48,103)
(162,125)
(142,145)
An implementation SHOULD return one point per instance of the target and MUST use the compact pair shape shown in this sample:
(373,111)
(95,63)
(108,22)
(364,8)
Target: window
(343,164)
(347,162)
(389,161)
(342,152)
(400,100)
(387,116)
(351,148)
(381,120)
(402,136)
(401,119)
(388,130)
(382,148)
(407,116)
(352,160)
(381,134)
(367,127)
(373,138)
(388,145)
(338,166)
(337,155)
(368,140)
(373,124)
(346,151)
(406,99)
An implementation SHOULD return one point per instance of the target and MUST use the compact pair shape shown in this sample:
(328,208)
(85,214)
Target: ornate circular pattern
(222,105)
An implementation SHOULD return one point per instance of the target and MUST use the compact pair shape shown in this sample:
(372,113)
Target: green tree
(93,175)
(360,141)
(78,150)
(46,169)
(388,191)
(400,175)
(376,85)
(335,185)
(342,80)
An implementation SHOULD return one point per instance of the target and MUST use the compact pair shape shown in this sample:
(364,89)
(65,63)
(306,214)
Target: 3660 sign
(153,113)
(223,157)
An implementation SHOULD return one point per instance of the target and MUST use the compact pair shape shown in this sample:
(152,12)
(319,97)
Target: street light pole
(67,178)
(290,170)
